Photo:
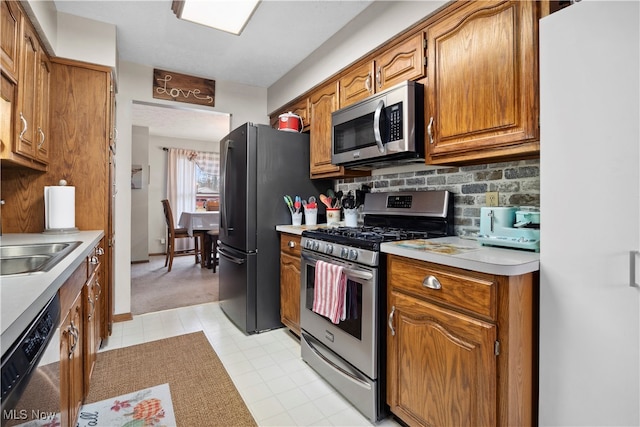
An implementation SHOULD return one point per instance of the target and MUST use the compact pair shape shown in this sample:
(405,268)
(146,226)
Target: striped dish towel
(329,291)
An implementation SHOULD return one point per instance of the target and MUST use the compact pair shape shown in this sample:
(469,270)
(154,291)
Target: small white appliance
(504,226)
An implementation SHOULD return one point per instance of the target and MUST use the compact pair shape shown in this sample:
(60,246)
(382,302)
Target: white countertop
(23,296)
(466,254)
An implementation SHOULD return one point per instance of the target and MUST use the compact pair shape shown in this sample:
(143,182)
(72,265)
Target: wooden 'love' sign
(183,88)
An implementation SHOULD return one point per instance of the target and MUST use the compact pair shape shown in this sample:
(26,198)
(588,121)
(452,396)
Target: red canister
(290,122)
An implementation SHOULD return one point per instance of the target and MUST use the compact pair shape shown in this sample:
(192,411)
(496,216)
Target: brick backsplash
(518,184)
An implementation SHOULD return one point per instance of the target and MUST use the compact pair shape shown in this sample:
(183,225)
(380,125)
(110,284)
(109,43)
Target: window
(208,187)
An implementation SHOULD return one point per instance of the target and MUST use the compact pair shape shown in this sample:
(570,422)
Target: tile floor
(277,386)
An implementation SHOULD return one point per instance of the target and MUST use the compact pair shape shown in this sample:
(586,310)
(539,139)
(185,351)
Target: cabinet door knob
(367,83)
(42,137)
(99,290)
(431,282)
(24,126)
(393,310)
(292,244)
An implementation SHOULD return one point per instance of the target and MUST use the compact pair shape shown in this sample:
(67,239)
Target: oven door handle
(352,375)
(349,272)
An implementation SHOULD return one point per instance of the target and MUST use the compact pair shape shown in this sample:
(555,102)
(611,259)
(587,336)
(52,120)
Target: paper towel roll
(60,207)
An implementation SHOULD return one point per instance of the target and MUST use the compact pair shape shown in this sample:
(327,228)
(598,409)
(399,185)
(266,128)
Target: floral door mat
(148,407)
(441,248)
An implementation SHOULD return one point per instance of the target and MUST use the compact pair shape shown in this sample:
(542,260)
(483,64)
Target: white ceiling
(279,35)
(181,122)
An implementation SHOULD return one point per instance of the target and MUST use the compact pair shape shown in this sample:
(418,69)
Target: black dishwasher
(31,371)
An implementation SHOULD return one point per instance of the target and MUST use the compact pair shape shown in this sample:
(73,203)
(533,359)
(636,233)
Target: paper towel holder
(47,202)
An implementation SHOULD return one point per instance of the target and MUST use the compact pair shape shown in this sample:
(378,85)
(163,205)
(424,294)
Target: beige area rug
(202,392)
(155,289)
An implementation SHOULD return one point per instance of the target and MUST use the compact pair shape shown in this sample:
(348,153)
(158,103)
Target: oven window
(353,322)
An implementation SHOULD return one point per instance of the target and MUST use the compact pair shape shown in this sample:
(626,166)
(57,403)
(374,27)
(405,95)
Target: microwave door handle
(376,126)
(356,274)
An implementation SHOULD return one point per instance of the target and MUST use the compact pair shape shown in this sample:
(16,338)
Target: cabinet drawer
(290,244)
(473,292)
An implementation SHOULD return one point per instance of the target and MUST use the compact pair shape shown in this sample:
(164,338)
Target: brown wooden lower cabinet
(460,354)
(81,308)
(71,363)
(92,293)
(290,282)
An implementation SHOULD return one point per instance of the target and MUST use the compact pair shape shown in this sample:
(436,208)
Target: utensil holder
(351,217)
(333,216)
(311,216)
(296,218)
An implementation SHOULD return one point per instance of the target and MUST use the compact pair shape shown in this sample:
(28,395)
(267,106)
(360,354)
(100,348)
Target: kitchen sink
(33,258)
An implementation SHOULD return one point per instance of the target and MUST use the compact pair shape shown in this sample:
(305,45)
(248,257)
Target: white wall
(374,26)
(69,36)
(44,17)
(140,197)
(86,40)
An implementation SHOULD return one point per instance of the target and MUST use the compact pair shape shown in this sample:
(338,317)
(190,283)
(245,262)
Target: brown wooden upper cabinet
(11,17)
(402,61)
(322,103)
(482,91)
(26,72)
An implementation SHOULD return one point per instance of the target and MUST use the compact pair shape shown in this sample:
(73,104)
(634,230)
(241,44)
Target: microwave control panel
(394,114)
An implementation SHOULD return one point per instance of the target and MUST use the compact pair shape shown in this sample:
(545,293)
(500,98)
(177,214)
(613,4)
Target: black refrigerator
(258,166)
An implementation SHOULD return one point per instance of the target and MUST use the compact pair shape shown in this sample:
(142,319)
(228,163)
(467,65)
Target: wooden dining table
(206,224)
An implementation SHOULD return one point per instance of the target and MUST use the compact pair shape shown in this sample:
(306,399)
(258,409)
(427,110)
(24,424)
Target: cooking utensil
(297,204)
(338,199)
(325,200)
(349,201)
(289,202)
(311,204)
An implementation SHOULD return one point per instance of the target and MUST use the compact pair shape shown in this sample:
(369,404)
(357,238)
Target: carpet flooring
(155,289)
(202,392)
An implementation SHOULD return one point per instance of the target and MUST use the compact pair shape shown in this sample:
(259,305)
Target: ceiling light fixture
(225,15)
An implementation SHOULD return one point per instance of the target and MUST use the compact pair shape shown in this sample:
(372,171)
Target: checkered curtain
(208,162)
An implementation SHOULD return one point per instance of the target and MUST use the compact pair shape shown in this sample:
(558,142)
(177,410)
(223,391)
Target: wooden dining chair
(174,233)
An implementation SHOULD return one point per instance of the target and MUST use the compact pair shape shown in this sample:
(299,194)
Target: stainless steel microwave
(383,129)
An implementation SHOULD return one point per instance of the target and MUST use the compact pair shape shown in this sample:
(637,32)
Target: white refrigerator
(590,215)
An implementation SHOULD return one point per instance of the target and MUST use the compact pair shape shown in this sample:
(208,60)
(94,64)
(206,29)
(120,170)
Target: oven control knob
(316,246)
(344,253)
(308,244)
(353,254)
(328,249)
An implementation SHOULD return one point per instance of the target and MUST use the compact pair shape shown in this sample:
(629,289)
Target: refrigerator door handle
(634,257)
(224,214)
(231,258)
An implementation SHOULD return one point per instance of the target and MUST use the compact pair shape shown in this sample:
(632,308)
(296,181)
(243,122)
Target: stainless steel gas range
(349,354)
